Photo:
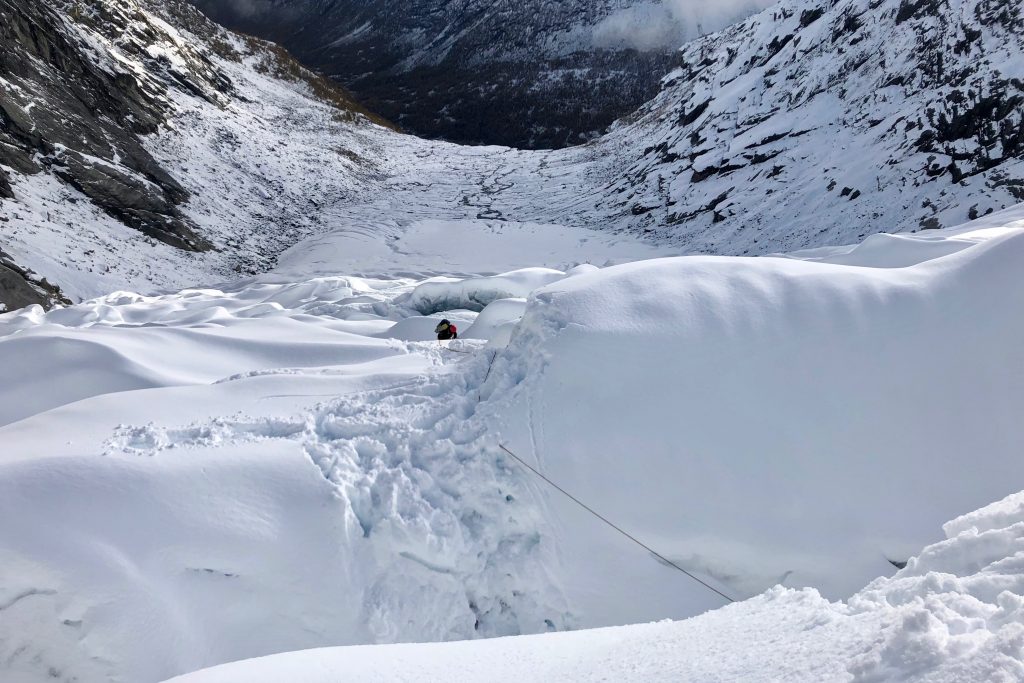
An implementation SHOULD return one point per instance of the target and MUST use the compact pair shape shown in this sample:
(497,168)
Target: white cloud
(670,23)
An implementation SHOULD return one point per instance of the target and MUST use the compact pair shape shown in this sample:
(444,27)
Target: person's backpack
(445,330)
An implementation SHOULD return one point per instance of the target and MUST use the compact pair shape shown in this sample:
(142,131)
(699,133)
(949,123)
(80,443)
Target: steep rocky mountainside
(87,90)
(97,103)
(819,122)
(71,108)
(528,74)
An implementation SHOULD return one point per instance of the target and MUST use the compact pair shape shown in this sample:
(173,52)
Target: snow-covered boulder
(496,321)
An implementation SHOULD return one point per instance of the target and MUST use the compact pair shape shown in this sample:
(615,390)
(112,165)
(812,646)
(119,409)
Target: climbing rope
(594,512)
(614,526)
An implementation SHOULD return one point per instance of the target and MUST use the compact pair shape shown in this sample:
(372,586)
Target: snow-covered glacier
(279,465)
(229,430)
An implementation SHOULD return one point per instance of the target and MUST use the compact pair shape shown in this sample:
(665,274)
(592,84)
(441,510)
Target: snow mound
(954,614)
(496,322)
(125,341)
(837,413)
(885,250)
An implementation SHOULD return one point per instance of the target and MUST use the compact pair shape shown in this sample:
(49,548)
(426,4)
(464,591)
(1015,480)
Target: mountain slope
(87,133)
(115,127)
(813,123)
(820,122)
(528,74)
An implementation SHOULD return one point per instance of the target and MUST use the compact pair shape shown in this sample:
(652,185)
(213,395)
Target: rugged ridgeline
(821,122)
(83,86)
(528,74)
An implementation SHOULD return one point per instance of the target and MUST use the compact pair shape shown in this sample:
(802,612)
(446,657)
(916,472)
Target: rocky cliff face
(78,110)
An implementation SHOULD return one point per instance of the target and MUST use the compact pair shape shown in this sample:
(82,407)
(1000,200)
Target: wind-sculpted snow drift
(355,492)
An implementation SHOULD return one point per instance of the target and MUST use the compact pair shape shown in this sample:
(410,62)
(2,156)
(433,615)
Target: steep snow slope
(953,615)
(294,469)
(821,122)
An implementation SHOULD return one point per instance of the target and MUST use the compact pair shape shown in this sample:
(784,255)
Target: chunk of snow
(496,321)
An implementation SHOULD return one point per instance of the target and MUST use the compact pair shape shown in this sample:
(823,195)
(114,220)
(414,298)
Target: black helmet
(442,326)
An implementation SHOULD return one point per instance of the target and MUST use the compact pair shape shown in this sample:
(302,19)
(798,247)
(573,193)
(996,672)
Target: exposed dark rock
(5,186)
(809,16)
(910,9)
(79,117)
(700,175)
(689,117)
(20,287)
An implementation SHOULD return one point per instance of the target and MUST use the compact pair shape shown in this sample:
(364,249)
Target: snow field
(445,535)
(291,462)
(279,465)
